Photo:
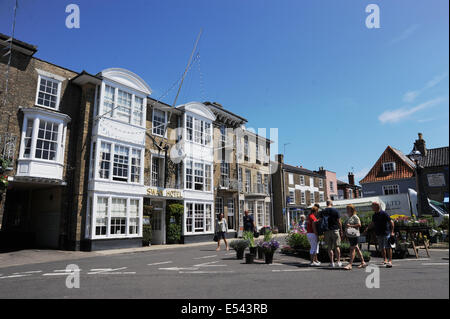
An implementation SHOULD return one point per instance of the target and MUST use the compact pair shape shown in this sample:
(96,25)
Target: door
(158,223)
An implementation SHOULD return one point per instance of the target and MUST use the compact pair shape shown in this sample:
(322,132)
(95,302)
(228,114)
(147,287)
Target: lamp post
(416,156)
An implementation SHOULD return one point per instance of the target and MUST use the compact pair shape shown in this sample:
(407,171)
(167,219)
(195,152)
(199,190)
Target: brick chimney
(420,145)
(279,158)
(351,178)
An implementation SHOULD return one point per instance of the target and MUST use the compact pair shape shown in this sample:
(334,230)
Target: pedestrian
(221,231)
(384,230)
(313,236)
(302,223)
(352,232)
(249,223)
(329,218)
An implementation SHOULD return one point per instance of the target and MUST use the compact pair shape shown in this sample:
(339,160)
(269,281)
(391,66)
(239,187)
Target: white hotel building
(116,184)
(198,172)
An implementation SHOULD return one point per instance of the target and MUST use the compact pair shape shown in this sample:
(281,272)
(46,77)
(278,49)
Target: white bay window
(123,105)
(42,143)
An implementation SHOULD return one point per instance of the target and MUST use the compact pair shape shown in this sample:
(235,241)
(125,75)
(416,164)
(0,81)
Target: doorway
(158,221)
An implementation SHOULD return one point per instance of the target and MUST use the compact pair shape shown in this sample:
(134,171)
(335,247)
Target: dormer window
(388,167)
(48,93)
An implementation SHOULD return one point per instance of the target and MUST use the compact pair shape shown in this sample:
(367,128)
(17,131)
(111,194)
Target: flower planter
(249,258)
(268,257)
(253,251)
(239,254)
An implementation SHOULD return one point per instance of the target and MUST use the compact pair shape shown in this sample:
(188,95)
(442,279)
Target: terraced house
(294,189)
(87,154)
(253,153)
(226,184)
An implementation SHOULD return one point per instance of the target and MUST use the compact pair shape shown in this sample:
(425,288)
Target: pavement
(198,271)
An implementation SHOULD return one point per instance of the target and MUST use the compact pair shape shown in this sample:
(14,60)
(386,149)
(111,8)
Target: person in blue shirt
(249,224)
(384,229)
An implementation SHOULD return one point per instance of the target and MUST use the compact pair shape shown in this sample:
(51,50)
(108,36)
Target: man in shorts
(332,236)
(384,229)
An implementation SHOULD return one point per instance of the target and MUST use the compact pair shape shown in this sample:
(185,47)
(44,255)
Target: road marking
(210,264)
(204,257)
(179,268)
(160,263)
(62,272)
(27,272)
(291,270)
(414,259)
(106,271)
(14,276)
(434,264)
(206,272)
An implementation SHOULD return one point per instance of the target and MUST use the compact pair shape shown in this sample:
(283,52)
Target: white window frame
(392,189)
(231,213)
(52,78)
(207,221)
(97,167)
(302,180)
(387,165)
(36,118)
(320,183)
(291,196)
(160,126)
(128,216)
(303,197)
(291,178)
(112,115)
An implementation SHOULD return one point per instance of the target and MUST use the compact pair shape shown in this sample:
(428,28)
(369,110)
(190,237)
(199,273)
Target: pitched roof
(435,157)
(404,167)
(300,170)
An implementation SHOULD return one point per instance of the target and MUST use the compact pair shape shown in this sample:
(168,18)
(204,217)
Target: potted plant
(248,235)
(269,248)
(239,246)
(249,258)
(267,237)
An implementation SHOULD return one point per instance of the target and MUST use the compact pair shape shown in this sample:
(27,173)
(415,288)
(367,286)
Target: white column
(60,150)
(22,139)
(34,136)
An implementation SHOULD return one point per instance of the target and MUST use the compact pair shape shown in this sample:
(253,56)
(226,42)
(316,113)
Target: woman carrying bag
(352,226)
(221,231)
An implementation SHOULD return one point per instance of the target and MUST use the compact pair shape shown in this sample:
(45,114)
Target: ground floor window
(230,214)
(115,216)
(260,214)
(267,221)
(198,217)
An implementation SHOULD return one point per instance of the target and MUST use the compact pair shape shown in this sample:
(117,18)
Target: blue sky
(338,92)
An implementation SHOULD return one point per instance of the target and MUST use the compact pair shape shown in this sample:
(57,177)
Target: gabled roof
(300,170)
(435,157)
(404,167)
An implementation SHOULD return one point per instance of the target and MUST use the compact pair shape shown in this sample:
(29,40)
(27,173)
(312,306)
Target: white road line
(205,272)
(434,264)
(56,274)
(160,263)
(211,256)
(179,268)
(14,276)
(27,272)
(291,270)
(210,264)
(105,270)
